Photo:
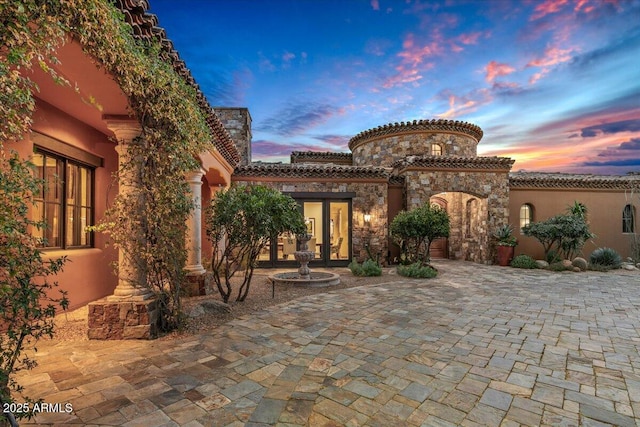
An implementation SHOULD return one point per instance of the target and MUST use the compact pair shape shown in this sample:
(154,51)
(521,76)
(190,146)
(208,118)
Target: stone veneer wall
(371,197)
(237,121)
(383,151)
(492,191)
(467,226)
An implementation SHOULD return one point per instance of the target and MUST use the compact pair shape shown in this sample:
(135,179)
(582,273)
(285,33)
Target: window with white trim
(526,215)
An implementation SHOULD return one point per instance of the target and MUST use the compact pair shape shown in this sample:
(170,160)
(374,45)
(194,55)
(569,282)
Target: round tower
(383,145)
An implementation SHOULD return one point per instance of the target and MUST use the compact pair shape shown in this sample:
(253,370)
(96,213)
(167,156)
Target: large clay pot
(505,255)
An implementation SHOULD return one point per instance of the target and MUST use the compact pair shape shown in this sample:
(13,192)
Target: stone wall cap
(545,180)
(310,170)
(433,125)
(454,162)
(321,157)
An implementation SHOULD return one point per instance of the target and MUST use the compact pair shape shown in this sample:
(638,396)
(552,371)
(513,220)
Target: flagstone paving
(477,346)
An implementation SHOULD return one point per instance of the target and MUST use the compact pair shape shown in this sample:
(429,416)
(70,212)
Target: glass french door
(328,221)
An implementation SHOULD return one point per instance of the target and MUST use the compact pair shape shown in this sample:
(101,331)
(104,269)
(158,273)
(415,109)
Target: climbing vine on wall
(151,223)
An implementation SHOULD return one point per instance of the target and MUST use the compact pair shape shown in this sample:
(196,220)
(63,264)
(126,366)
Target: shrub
(413,231)
(605,257)
(417,270)
(367,268)
(559,266)
(524,261)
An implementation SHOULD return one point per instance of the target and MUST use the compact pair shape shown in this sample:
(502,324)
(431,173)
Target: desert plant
(606,258)
(368,268)
(559,266)
(242,221)
(414,231)
(417,270)
(524,261)
(565,234)
(504,236)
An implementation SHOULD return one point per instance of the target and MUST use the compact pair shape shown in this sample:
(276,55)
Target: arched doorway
(439,247)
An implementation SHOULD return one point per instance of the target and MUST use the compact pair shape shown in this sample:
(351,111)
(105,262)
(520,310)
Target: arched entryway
(468,234)
(439,247)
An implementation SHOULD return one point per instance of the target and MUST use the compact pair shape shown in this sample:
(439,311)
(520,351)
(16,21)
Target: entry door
(439,247)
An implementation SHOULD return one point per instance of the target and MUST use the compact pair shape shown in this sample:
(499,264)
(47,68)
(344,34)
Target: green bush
(559,266)
(552,257)
(606,258)
(367,268)
(417,270)
(524,261)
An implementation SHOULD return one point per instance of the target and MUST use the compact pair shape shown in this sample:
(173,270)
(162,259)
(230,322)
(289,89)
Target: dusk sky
(554,84)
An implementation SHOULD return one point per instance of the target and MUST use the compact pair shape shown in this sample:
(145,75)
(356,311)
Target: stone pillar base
(194,285)
(123,320)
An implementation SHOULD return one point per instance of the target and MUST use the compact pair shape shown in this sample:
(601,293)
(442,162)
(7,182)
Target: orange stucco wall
(87,275)
(604,215)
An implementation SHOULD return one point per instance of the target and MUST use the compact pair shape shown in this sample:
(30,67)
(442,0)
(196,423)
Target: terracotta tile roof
(321,157)
(145,26)
(454,162)
(317,171)
(435,125)
(544,180)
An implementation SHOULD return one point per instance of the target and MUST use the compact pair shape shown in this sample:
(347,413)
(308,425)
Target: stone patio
(477,346)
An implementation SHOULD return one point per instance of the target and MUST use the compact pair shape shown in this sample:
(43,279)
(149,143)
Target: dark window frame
(62,185)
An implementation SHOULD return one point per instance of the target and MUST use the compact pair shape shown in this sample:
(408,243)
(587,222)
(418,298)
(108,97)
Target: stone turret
(384,145)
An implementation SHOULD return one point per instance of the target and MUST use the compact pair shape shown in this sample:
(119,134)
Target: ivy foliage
(415,230)
(150,226)
(27,299)
(240,223)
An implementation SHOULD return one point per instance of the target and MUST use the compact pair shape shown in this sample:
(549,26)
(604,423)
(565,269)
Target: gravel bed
(73,325)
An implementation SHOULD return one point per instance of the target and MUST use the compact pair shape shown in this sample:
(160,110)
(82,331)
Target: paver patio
(477,346)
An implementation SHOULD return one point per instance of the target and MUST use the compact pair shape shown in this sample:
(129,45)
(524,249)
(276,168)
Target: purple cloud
(297,118)
(613,127)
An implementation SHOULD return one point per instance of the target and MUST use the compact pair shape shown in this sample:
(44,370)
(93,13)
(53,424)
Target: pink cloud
(552,56)
(413,60)
(547,7)
(496,69)
(464,104)
(375,4)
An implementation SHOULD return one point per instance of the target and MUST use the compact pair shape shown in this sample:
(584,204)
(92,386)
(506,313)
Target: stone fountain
(304,276)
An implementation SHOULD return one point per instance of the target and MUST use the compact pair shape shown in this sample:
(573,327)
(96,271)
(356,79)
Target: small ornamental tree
(240,223)
(564,234)
(27,301)
(415,230)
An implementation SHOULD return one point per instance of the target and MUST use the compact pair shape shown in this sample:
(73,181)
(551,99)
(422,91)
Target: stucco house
(348,199)
(76,147)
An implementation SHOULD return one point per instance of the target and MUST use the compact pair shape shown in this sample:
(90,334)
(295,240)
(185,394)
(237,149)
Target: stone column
(131,312)
(128,276)
(194,267)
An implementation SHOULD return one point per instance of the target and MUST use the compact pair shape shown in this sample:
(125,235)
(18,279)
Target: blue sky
(554,84)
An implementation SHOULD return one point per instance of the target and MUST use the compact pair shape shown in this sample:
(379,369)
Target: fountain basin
(315,279)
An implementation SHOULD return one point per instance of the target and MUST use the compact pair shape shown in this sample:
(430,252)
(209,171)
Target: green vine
(150,224)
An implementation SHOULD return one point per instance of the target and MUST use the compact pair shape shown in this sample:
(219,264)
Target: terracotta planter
(505,255)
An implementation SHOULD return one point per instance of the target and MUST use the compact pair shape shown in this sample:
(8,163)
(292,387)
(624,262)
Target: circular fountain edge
(317,279)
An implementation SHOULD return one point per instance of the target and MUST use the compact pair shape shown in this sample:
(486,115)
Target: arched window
(526,215)
(470,214)
(436,150)
(628,216)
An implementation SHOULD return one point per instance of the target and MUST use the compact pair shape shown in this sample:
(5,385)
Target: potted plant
(505,244)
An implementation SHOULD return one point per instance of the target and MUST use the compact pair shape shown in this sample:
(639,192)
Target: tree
(27,301)
(415,230)
(240,223)
(565,234)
